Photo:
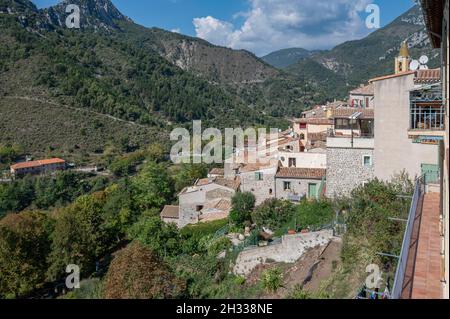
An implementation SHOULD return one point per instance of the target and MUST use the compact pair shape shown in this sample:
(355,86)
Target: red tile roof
(433,11)
(301,173)
(217,171)
(421,76)
(35,164)
(349,111)
(428,76)
(170,211)
(315,121)
(390,76)
(317,136)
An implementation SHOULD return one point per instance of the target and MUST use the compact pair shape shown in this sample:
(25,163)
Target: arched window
(302,137)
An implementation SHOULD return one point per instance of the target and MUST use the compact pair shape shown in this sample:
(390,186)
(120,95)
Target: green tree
(161,238)
(138,273)
(152,187)
(187,174)
(24,246)
(156,152)
(273,213)
(242,207)
(79,237)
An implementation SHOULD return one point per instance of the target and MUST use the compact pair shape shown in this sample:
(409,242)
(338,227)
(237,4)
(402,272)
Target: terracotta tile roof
(217,171)
(390,76)
(317,136)
(433,11)
(35,164)
(428,76)
(315,121)
(254,167)
(170,211)
(364,90)
(298,173)
(233,184)
(349,111)
(230,183)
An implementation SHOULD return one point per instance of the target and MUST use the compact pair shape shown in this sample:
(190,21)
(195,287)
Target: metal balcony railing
(403,277)
(427,118)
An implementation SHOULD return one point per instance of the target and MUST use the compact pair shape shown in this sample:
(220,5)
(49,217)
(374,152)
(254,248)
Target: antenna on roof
(420,64)
(414,65)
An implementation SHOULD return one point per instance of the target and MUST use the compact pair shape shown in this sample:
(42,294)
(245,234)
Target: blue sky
(260,26)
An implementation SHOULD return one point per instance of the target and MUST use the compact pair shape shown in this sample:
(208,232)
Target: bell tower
(403,60)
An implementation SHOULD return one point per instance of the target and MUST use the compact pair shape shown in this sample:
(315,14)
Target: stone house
(362,97)
(38,167)
(209,199)
(259,179)
(297,183)
(170,214)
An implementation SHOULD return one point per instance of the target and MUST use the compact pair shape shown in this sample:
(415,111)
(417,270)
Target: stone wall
(262,189)
(289,250)
(298,187)
(346,170)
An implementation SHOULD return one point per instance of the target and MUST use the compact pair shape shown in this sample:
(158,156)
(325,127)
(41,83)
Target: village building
(350,151)
(209,199)
(419,106)
(409,122)
(362,97)
(170,214)
(312,130)
(294,184)
(259,179)
(38,167)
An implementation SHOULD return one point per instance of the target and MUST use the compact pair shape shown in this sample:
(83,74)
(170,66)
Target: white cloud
(275,24)
(176,30)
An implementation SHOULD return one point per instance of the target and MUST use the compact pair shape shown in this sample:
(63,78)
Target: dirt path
(26,98)
(310,271)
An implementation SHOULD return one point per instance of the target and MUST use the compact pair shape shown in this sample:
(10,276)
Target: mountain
(99,14)
(286,57)
(355,62)
(119,70)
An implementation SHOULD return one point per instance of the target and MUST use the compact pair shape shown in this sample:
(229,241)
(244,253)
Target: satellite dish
(414,65)
(423,59)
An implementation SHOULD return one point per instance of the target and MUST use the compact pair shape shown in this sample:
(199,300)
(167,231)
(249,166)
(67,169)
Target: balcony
(427,116)
(350,139)
(418,273)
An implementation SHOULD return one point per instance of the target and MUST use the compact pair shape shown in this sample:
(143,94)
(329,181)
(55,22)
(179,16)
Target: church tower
(403,60)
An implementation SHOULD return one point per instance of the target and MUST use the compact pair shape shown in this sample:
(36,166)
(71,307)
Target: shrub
(272,279)
(273,213)
(242,207)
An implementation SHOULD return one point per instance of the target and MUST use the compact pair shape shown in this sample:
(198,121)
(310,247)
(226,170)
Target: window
(259,176)
(287,186)
(345,124)
(367,161)
(303,126)
(270,191)
(302,137)
(199,208)
(292,162)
